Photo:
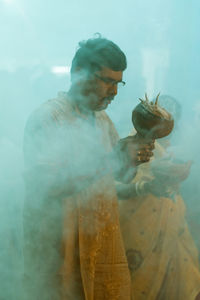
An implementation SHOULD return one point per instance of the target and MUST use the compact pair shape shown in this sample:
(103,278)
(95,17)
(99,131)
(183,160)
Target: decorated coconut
(152,121)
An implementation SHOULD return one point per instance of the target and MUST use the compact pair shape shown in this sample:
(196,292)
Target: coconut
(151,120)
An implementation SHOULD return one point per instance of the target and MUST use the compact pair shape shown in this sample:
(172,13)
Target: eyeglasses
(111,81)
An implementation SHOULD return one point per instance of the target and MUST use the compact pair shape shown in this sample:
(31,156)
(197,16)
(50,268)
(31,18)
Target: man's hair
(96,53)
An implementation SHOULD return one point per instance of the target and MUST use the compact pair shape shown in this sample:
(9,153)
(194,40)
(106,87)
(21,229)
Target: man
(72,156)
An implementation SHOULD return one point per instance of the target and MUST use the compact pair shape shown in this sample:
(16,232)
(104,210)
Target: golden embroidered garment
(162,257)
(73,246)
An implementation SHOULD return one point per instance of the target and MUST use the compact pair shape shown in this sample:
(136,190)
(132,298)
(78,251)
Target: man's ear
(79,75)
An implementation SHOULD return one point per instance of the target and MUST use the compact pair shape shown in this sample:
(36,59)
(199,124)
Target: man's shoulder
(102,115)
(108,126)
(50,112)
(104,118)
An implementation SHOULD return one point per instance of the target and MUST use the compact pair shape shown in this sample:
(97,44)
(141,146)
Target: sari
(162,257)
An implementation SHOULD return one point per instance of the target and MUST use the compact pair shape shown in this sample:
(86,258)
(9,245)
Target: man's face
(102,88)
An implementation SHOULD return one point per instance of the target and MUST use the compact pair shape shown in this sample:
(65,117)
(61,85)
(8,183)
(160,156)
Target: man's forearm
(58,181)
(120,165)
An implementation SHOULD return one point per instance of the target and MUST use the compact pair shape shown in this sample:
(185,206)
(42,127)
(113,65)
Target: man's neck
(77,100)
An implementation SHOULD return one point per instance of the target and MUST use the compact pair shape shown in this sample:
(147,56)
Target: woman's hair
(98,52)
(172,105)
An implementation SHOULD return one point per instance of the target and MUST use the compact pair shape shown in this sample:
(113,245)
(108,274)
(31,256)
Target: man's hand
(135,150)
(128,154)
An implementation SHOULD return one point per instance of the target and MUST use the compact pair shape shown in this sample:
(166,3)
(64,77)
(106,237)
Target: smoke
(11,206)
(36,37)
(155,63)
(188,148)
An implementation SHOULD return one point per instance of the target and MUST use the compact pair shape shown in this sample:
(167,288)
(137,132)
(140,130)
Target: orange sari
(162,257)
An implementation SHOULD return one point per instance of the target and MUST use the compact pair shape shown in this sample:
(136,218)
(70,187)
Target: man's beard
(103,103)
(92,102)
